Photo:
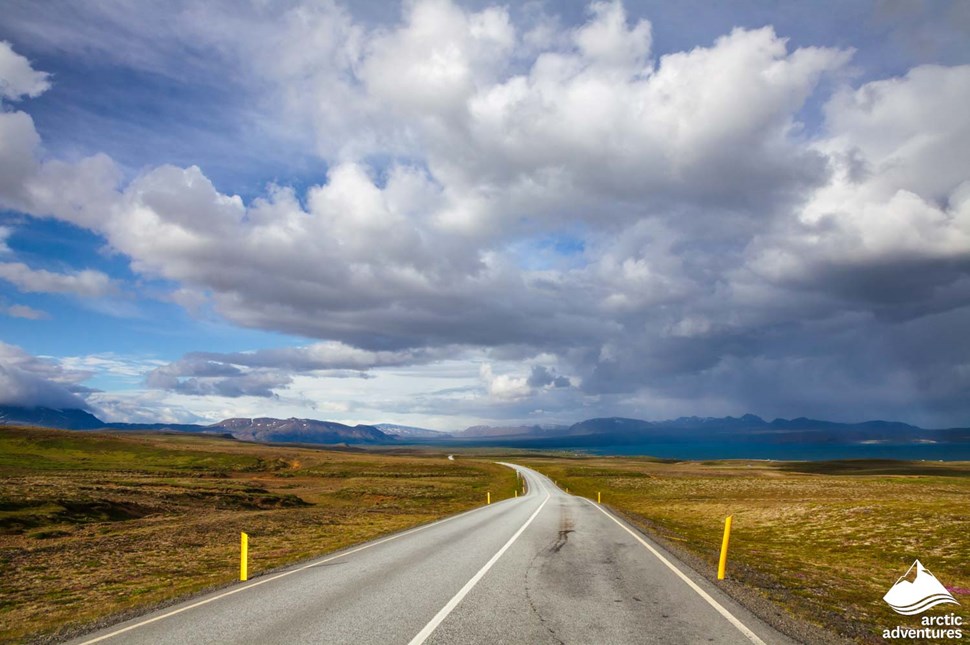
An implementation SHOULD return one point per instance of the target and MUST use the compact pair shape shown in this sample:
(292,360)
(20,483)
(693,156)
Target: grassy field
(825,541)
(98,525)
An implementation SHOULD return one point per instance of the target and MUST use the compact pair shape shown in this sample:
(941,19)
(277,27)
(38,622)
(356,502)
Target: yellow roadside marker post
(516,492)
(722,564)
(244,557)
(599,498)
(488,497)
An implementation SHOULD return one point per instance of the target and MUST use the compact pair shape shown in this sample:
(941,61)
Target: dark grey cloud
(29,381)
(319,356)
(194,366)
(260,384)
(263,373)
(200,377)
(23,388)
(542,376)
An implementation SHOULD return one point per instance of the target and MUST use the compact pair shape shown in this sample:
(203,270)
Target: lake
(706,450)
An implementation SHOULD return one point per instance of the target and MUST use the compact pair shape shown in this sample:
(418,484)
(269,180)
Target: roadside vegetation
(95,526)
(823,541)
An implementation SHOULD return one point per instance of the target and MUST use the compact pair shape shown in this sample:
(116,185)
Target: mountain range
(411,432)
(474,432)
(610,431)
(267,430)
(618,431)
(263,429)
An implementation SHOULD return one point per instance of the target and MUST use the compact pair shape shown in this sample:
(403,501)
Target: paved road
(547,567)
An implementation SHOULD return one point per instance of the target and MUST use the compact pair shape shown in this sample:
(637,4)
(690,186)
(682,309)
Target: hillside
(411,432)
(268,430)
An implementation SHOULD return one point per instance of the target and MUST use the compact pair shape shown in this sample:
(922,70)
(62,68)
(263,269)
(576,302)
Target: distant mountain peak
(411,432)
(66,418)
(295,430)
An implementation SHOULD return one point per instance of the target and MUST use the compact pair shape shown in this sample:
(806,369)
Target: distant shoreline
(918,451)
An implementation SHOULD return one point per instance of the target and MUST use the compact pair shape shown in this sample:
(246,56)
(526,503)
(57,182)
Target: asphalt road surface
(546,567)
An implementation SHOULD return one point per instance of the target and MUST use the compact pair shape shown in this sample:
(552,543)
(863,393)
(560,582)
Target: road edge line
(744,629)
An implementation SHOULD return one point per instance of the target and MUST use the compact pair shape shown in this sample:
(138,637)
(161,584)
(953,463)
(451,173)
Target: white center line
(447,609)
(693,585)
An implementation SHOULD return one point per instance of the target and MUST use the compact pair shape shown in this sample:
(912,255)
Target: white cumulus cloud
(18,78)
(87,283)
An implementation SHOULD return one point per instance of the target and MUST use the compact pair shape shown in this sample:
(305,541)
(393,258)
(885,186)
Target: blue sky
(341,211)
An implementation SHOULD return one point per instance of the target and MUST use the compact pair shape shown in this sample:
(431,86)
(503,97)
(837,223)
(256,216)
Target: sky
(443,213)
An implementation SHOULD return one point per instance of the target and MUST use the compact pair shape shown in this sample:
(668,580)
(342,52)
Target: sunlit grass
(93,525)
(824,541)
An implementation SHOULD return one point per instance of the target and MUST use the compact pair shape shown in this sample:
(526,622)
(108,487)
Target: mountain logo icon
(914,597)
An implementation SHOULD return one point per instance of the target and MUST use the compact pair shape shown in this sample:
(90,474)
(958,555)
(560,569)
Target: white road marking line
(283,574)
(447,609)
(751,636)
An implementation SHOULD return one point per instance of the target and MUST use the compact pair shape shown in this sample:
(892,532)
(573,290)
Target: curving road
(546,567)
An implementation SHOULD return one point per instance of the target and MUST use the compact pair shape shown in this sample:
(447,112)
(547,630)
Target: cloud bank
(29,381)
(665,227)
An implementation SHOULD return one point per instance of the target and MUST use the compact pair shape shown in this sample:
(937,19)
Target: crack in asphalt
(565,528)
